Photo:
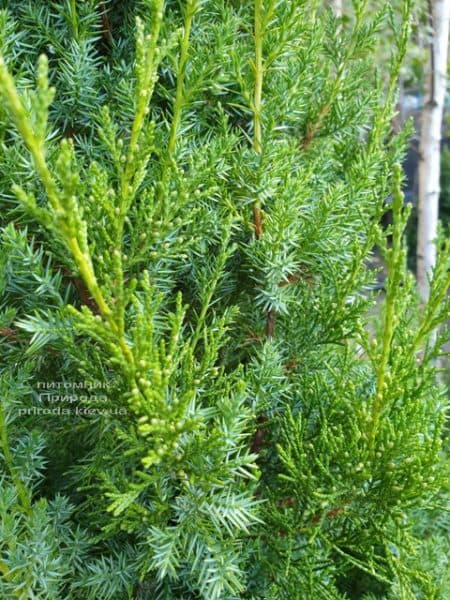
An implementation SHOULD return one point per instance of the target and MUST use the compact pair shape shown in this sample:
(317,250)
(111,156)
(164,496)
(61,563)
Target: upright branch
(395,262)
(190,10)
(22,491)
(65,209)
(148,54)
(313,129)
(259,77)
(257,104)
(74,18)
(64,216)
(147,61)
(257,131)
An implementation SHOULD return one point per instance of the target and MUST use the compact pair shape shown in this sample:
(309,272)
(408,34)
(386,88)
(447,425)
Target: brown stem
(290,279)
(332,513)
(82,290)
(313,128)
(257,221)
(106,23)
(7,332)
(271,322)
(259,438)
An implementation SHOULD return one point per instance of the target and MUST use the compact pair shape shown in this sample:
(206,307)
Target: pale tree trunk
(430,145)
(336,5)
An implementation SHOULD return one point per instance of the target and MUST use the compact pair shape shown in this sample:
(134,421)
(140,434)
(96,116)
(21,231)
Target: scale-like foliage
(195,400)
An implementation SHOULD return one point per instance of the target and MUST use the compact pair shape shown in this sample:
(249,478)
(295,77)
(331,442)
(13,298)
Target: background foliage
(190,195)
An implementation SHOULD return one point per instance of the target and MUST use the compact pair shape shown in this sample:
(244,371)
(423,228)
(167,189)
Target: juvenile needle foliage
(195,401)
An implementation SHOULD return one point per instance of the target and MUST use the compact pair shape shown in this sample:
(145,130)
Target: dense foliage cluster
(196,401)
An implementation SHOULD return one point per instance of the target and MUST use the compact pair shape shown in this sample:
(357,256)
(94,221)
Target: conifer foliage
(195,402)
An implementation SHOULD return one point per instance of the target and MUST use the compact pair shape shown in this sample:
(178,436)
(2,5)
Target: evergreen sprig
(197,401)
